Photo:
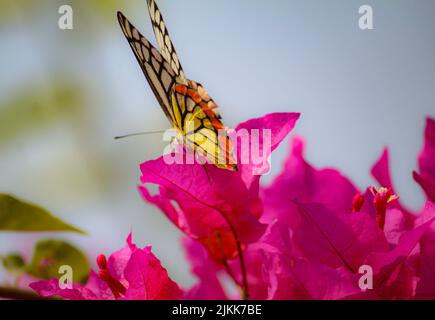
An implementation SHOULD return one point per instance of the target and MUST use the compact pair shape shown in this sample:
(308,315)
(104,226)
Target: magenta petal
(119,259)
(427,184)
(147,279)
(304,280)
(302,182)
(280,123)
(394,272)
(263,277)
(208,286)
(290,277)
(201,208)
(381,170)
(275,241)
(426,283)
(132,273)
(335,239)
(198,206)
(208,203)
(50,288)
(279,126)
(99,287)
(426,159)
(396,223)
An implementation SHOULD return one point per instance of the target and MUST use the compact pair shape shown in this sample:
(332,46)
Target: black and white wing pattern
(185,103)
(160,75)
(164,41)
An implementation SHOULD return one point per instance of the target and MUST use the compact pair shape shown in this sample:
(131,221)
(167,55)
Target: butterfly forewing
(156,69)
(186,103)
(164,41)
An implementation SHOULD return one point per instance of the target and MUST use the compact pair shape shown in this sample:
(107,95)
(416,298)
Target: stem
(245,292)
(19,294)
(244,286)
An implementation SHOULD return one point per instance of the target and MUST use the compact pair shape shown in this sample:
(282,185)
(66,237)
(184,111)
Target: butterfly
(186,103)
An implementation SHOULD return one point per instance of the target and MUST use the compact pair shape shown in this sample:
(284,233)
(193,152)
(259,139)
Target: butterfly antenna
(139,134)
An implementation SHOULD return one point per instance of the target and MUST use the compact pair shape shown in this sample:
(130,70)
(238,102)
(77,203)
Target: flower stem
(244,286)
(245,292)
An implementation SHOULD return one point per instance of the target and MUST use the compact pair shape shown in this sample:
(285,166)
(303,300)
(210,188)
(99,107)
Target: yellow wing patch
(202,129)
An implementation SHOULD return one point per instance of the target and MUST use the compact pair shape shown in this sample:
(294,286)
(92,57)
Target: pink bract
(310,234)
(219,208)
(426,161)
(136,270)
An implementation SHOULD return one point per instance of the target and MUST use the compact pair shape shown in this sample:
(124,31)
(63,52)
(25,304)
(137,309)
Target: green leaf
(49,255)
(13,262)
(17,215)
(35,107)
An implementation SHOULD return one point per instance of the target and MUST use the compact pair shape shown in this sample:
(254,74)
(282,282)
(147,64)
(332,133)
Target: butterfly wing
(204,96)
(169,53)
(186,103)
(158,72)
(202,129)
(164,41)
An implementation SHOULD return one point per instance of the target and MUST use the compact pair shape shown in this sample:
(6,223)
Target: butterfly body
(186,104)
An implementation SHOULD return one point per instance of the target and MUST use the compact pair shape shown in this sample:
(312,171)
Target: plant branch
(244,286)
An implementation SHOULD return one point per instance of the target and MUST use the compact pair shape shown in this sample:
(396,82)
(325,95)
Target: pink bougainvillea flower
(130,273)
(219,208)
(302,280)
(276,271)
(206,270)
(317,205)
(302,182)
(381,172)
(277,126)
(395,272)
(426,162)
(147,279)
(426,267)
(335,230)
(382,197)
(206,211)
(392,216)
(389,218)
(334,239)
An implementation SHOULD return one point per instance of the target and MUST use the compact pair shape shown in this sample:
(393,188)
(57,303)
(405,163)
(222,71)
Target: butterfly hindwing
(203,131)
(204,95)
(156,69)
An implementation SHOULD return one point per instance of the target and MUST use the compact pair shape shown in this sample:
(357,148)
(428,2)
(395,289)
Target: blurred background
(64,95)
